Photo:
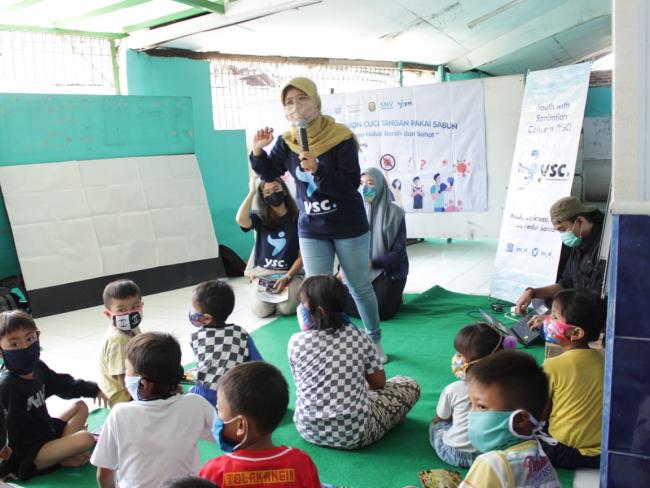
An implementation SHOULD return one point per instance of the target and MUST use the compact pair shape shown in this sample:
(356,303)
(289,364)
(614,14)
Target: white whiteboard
(503,97)
(79,220)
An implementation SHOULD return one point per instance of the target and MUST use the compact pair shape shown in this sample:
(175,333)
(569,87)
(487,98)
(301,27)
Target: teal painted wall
(54,128)
(599,102)
(222,155)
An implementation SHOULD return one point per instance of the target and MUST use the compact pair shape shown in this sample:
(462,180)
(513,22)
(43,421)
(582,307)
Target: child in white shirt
(154,437)
(448,430)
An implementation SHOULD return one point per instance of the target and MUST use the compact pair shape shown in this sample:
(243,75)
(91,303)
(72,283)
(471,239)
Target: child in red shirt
(252,399)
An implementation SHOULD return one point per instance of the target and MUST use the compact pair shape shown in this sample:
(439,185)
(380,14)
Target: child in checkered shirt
(343,399)
(218,346)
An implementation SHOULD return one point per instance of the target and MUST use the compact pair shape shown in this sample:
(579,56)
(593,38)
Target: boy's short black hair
(523,384)
(13,320)
(215,297)
(119,290)
(156,356)
(189,482)
(258,391)
(583,308)
(476,341)
(328,292)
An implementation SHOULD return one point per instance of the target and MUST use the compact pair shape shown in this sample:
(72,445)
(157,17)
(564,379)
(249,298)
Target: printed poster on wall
(428,140)
(552,111)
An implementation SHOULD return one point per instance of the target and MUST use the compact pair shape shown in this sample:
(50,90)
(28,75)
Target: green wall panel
(53,128)
(222,155)
(48,128)
(599,102)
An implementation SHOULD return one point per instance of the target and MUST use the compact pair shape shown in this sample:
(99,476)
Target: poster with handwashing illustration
(428,140)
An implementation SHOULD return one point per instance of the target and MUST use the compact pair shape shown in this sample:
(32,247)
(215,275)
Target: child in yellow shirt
(123,302)
(575,379)
(508,392)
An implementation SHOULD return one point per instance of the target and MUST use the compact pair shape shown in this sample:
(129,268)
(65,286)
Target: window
(36,62)
(239,82)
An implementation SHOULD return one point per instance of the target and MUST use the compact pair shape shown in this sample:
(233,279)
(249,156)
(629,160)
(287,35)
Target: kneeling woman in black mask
(276,257)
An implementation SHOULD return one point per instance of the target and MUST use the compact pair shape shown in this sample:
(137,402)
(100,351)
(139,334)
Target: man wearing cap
(580,227)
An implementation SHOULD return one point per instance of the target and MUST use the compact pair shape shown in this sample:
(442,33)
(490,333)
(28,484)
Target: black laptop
(520,331)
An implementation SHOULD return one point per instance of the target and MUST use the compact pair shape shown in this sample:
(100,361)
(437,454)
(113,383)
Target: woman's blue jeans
(354,256)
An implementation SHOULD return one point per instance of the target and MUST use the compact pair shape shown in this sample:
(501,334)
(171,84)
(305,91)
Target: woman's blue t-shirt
(276,249)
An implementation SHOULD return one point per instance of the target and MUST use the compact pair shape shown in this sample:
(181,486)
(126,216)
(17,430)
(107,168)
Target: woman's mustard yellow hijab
(323,133)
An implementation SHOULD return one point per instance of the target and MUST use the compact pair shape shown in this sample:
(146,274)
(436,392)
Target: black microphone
(302,134)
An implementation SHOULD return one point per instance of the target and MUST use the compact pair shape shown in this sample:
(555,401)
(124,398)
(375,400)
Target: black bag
(7,300)
(13,294)
(232,263)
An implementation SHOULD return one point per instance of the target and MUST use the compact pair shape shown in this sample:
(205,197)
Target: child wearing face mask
(575,379)
(252,401)
(508,392)
(38,441)
(276,254)
(154,437)
(448,431)
(218,346)
(123,309)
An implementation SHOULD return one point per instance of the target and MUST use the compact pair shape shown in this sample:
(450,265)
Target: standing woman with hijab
(332,217)
(388,259)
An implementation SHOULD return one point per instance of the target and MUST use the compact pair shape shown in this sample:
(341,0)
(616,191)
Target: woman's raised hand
(262,138)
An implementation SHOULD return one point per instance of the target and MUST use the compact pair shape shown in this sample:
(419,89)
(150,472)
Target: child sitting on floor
(448,431)
(38,441)
(154,437)
(123,302)
(508,392)
(252,400)
(575,379)
(342,397)
(217,346)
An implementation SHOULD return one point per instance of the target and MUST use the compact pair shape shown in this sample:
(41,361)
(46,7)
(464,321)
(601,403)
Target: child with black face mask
(276,255)
(123,302)
(37,440)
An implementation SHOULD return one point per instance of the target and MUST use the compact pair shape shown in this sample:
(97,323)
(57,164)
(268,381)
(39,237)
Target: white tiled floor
(71,341)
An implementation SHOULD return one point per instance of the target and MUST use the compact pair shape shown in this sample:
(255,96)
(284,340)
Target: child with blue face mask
(154,437)
(253,399)
(508,392)
(218,346)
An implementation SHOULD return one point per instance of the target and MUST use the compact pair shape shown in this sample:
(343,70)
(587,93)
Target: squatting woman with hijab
(389,264)
(276,256)
(332,216)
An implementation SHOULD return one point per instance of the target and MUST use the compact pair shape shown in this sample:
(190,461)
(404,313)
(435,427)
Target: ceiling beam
(62,32)
(216,7)
(555,21)
(114,7)
(166,19)
(147,39)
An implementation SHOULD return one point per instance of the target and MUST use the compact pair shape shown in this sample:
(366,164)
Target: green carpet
(419,343)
